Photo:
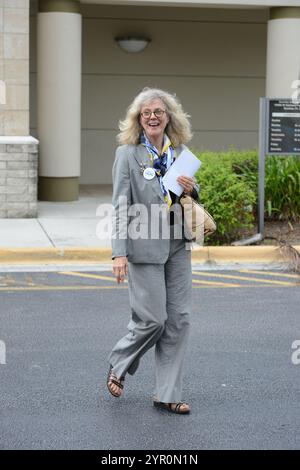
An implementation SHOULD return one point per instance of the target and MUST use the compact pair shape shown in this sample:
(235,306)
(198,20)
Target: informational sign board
(283,127)
(279,134)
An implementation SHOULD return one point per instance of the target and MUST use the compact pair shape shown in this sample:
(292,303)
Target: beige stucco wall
(215,60)
(14,66)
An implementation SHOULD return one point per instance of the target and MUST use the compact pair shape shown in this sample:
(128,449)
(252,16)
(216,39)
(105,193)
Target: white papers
(186,164)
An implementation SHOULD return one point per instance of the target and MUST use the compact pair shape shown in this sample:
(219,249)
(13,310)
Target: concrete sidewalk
(71,232)
(60,224)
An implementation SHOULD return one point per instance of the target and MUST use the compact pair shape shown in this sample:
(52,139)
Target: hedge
(229,190)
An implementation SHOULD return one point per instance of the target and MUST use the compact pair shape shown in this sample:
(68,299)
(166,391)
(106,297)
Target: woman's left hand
(187,182)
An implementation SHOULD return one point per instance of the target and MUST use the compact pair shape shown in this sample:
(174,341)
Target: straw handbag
(197,221)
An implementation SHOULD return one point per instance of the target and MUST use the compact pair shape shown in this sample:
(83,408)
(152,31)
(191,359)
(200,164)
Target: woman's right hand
(120,268)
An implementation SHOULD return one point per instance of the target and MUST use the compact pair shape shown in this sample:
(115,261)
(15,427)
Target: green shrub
(282,188)
(225,195)
(229,189)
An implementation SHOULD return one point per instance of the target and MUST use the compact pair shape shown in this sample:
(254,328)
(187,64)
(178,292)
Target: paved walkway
(60,224)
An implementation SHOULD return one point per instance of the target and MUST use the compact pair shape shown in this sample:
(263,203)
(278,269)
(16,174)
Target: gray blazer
(135,233)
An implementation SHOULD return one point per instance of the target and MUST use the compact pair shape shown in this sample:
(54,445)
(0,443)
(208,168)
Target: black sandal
(112,378)
(169,407)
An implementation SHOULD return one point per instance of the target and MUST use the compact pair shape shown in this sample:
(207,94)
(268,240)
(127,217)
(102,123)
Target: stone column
(59,98)
(283,52)
(18,150)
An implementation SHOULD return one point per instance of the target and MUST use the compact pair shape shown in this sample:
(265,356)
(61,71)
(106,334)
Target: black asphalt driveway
(57,329)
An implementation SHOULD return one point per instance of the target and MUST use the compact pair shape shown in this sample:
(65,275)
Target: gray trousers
(160,298)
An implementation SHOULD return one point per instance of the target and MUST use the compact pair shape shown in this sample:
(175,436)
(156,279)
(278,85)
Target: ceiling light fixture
(132,44)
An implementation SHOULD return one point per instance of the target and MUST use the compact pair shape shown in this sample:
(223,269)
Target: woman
(158,266)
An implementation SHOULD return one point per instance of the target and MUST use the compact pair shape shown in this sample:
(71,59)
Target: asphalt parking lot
(57,328)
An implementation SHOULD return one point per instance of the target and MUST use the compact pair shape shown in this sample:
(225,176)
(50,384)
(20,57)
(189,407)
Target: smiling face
(154,125)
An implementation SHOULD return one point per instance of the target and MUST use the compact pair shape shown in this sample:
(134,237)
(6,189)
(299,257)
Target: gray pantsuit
(160,300)
(160,288)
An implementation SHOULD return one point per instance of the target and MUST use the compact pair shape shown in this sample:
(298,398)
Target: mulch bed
(277,232)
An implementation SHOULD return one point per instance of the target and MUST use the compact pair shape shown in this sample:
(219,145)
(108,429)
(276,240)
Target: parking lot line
(215,283)
(270,273)
(247,278)
(208,279)
(91,276)
(99,287)
(39,288)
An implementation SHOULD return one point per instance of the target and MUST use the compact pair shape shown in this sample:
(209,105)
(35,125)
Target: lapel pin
(149,173)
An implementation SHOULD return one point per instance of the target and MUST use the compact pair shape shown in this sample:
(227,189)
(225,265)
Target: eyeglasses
(157,113)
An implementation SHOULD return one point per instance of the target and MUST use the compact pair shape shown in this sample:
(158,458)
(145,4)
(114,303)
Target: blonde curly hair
(178,128)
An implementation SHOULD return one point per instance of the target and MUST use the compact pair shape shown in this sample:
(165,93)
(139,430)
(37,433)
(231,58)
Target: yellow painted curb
(95,255)
(55,255)
(240,254)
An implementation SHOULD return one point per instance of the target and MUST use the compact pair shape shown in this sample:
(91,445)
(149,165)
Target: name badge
(149,173)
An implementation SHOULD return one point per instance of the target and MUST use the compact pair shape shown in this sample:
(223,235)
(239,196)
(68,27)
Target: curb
(54,255)
(240,254)
(201,255)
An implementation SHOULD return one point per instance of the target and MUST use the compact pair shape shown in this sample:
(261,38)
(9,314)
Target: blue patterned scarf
(160,162)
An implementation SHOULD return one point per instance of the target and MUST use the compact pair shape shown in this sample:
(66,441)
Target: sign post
(279,134)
